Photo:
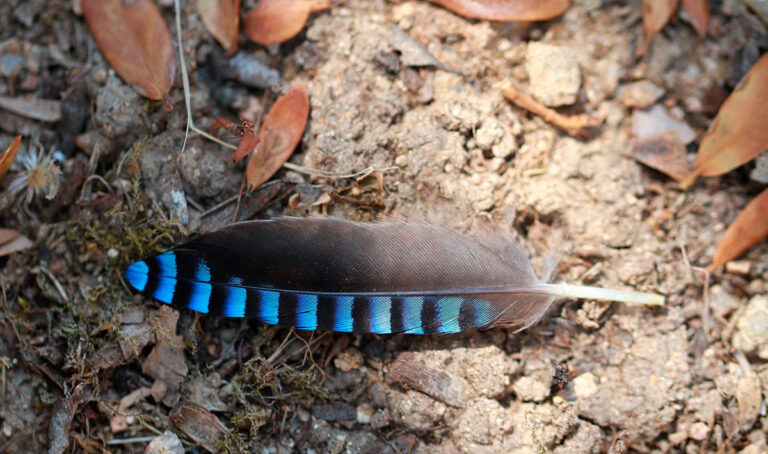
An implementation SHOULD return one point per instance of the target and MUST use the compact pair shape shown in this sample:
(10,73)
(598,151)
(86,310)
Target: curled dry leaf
(656,14)
(9,155)
(197,422)
(136,42)
(276,21)
(749,228)
(740,130)
(699,12)
(280,132)
(506,10)
(222,19)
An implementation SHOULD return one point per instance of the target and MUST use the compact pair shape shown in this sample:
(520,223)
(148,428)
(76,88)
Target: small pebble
(553,73)
(585,385)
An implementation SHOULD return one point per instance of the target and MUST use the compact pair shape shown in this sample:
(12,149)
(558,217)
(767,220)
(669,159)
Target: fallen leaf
(749,228)
(664,152)
(12,241)
(276,21)
(136,42)
(47,110)
(699,12)
(8,156)
(280,132)
(198,423)
(222,19)
(506,10)
(656,14)
(740,130)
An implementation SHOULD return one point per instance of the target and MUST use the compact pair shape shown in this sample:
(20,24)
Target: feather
(338,275)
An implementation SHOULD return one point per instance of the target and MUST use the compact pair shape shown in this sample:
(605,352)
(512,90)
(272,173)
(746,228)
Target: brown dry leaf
(222,19)
(198,423)
(506,10)
(276,21)
(656,14)
(136,42)
(699,12)
(280,132)
(47,110)
(12,241)
(8,156)
(664,152)
(749,228)
(740,130)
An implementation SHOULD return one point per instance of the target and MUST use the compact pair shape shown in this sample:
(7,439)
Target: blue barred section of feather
(173,280)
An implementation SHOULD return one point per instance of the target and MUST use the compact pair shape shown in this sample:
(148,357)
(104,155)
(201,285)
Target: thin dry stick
(574,125)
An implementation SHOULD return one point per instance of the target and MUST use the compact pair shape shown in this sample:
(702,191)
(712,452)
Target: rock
(167,443)
(553,73)
(760,172)
(204,173)
(657,119)
(640,94)
(584,385)
(698,431)
(529,389)
(489,134)
(749,398)
(752,328)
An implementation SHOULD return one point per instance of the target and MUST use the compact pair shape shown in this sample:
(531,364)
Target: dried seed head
(36,173)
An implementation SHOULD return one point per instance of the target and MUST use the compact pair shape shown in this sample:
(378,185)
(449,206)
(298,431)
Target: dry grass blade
(749,228)
(222,19)
(505,10)
(136,42)
(276,21)
(740,130)
(280,132)
(9,155)
(656,14)
(699,12)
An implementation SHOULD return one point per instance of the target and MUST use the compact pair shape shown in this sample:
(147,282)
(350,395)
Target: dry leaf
(740,130)
(665,152)
(276,21)
(12,241)
(136,42)
(506,10)
(749,228)
(222,19)
(48,110)
(656,14)
(699,12)
(280,132)
(8,156)
(198,423)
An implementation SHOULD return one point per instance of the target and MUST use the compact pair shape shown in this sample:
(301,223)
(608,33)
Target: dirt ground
(87,366)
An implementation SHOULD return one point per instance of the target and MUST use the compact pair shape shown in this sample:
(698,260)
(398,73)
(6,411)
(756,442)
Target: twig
(184,75)
(574,125)
(125,441)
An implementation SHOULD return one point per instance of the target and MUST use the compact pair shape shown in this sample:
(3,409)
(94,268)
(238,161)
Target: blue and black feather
(338,275)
